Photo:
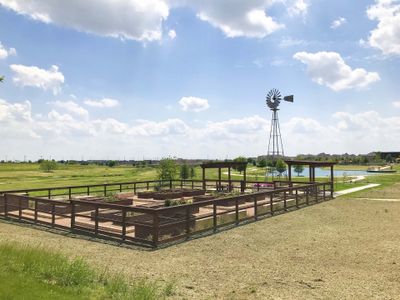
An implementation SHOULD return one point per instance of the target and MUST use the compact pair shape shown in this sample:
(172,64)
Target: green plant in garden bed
(176,202)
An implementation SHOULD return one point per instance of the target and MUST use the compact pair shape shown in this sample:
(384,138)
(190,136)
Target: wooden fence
(156,226)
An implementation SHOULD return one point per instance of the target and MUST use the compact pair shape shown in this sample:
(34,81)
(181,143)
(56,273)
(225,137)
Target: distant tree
(1,78)
(184,172)
(262,163)
(167,169)
(280,167)
(298,169)
(192,172)
(389,158)
(111,163)
(48,165)
(242,159)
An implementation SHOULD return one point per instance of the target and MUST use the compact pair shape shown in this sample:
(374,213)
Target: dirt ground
(341,249)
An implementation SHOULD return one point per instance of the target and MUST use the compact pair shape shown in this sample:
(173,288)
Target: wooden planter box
(168,195)
(119,202)
(128,195)
(146,194)
(203,198)
(231,202)
(179,211)
(144,232)
(192,193)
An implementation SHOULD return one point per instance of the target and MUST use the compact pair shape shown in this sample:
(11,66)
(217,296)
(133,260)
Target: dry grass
(391,192)
(342,249)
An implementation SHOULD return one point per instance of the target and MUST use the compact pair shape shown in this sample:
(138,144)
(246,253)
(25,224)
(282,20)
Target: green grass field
(28,272)
(24,176)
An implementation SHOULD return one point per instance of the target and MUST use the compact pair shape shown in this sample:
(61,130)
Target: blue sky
(187,78)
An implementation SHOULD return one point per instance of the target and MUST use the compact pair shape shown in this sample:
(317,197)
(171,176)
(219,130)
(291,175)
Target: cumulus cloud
(338,22)
(193,104)
(298,7)
(329,69)
(396,104)
(102,103)
(4,52)
(237,18)
(386,36)
(32,76)
(172,34)
(343,132)
(133,19)
(71,107)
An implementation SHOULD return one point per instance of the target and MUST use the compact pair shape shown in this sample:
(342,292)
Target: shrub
(48,165)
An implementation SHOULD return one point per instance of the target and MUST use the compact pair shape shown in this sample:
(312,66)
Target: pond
(319,172)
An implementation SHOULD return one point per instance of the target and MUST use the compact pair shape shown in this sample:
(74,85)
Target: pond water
(319,172)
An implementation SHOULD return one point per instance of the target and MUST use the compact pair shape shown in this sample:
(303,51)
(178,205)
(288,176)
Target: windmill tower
(275,144)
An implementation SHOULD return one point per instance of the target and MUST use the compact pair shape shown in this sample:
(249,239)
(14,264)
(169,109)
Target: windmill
(275,145)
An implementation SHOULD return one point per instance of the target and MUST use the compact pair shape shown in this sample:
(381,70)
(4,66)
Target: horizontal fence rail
(155,226)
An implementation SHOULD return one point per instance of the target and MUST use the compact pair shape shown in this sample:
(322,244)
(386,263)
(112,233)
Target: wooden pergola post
(290,171)
(310,173)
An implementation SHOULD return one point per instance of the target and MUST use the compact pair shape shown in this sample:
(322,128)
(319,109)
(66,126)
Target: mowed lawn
(25,176)
(341,249)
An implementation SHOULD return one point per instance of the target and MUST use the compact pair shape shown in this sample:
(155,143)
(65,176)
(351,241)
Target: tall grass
(74,278)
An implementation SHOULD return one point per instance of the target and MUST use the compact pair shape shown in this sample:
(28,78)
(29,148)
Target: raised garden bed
(170,194)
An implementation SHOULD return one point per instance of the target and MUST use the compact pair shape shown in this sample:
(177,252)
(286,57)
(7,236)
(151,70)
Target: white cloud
(72,107)
(4,52)
(99,138)
(396,104)
(172,34)
(237,18)
(151,128)
(50,79)
(338,22)
(329,69)
(298,7)
(133,19)
(105,102)
(194,104)
(287,42)
(386,36)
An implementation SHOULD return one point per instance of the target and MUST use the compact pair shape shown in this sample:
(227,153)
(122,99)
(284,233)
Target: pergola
(311,167)
(221,165)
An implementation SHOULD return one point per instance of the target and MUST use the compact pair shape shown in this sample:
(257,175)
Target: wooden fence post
(187,221)
(307,193)
(120,188)
(69,193)
(5,205)
(297,198)
(88,191)
(237,211)
(72,215)
(123,224)
(255,208)
(271,203)
(170,184)
(214,217)
(284,201)
(19,208)
(156,224)
(96,220)
(53,214)
(36,211)
(134,188)
(49,194)
(105,190)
